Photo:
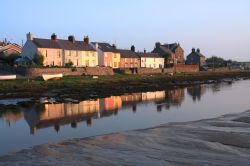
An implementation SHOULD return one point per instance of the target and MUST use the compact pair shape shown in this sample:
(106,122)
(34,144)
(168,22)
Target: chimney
(198,50)
(145,50)
(96,46)
(53,36)
(86,39)
(157,45)
(114,46)
(71,38)
(193,50)
(29,36)
(133,48)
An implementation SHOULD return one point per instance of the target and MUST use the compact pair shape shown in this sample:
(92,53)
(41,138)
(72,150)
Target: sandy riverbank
(221,141)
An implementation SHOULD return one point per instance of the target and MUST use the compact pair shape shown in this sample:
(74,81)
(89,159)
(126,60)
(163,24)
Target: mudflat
(221,141)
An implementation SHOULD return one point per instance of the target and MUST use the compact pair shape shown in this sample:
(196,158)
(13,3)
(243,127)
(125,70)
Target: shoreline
(85,87)
(219,141)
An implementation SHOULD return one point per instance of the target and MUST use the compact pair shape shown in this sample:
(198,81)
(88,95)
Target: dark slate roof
(149,55)
(62,44)
(128,54)
(167,48)
(196,54)
(106,47)
(172,47)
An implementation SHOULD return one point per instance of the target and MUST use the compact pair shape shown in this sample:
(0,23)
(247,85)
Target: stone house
(108,55)
(7,49)
(196,58)
(129,58)
(59,52)
(173,53)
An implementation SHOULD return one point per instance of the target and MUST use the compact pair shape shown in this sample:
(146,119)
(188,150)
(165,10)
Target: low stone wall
(182,68)
(223,69)
(149,71)
(34,72)
(99,71)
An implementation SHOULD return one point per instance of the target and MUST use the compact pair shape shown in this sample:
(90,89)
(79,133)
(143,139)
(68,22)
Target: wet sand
(222,141)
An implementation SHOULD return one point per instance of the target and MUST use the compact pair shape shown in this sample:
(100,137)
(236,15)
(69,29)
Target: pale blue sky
(217,27)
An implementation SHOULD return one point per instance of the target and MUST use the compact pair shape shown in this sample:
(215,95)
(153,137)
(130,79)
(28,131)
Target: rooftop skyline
(218,28)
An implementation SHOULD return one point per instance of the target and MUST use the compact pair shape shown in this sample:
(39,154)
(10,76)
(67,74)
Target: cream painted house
(151,60)
(58,52)
(108,55)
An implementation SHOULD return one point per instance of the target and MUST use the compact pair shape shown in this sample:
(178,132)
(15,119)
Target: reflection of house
(132,99)
(196,58)
(61,114)
(112,103)
(173,53)
(176,96)
(58,52)
(153,96)
(12,117)
(196,91)
(108,55)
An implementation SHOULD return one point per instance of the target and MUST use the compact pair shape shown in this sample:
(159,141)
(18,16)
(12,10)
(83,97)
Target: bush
(38,59)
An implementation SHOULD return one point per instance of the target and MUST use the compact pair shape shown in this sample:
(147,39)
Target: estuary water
(22,127)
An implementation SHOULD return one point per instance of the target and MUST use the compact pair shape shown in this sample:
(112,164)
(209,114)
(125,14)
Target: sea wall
(182,68)
(34,72)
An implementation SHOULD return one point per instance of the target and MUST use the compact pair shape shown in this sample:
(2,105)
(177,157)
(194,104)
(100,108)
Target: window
(115,64)
(93,62)
(115,56)
(46,53)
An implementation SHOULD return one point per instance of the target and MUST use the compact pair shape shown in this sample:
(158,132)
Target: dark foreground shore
(222,141)
(85,87)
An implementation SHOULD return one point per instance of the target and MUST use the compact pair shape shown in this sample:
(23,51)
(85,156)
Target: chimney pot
(114,46)
(198,50)
(29,36)
(193,50)
(71,38)
(133,48)
(86,39)
(53,36)
(158,45)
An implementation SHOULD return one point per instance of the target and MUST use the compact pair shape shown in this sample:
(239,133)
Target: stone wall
(149,71)
(34,72)
(223,69)
(182,68)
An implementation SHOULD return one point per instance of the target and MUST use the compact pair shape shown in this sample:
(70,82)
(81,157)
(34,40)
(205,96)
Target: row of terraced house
(60,52)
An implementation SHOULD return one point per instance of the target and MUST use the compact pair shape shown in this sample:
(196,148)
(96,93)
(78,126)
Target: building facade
(151,60)
(196,58)
(173,53)
(59,52)
(108,56)
(129,58)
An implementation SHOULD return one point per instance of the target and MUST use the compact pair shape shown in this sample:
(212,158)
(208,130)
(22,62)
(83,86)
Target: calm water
(26,127)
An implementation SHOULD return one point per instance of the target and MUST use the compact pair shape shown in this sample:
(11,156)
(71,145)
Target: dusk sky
(217,27)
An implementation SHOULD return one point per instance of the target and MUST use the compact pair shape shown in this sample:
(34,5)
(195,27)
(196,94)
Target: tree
(215,61)
(38,59)
(9,59)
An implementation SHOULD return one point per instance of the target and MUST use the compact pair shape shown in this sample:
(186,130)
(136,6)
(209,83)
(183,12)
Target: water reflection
(60,114)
